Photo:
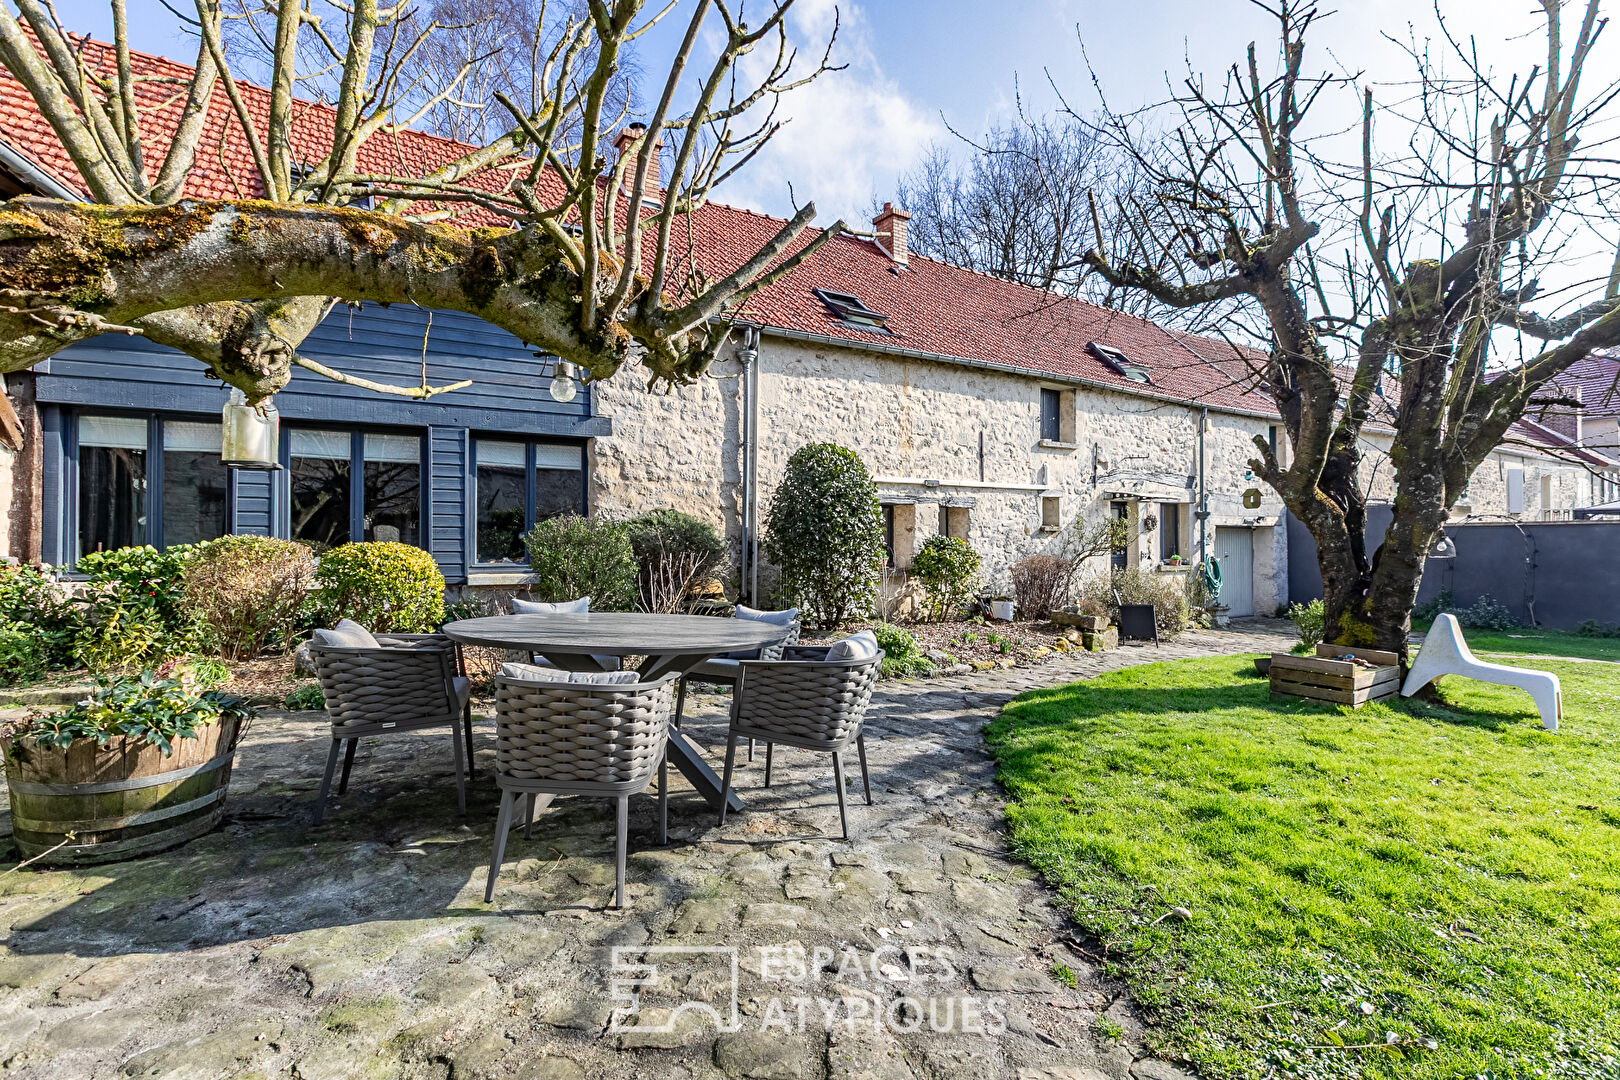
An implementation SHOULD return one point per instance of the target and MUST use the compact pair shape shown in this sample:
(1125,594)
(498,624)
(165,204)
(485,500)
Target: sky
(919,68)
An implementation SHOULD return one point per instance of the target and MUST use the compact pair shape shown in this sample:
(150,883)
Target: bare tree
(580,259)
(1397,285)
(1026,205)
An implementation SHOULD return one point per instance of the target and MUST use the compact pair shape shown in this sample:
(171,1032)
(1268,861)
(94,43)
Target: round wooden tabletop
(614,633)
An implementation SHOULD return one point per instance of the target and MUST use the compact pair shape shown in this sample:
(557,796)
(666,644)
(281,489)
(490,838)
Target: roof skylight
(1119,363)
(848,307)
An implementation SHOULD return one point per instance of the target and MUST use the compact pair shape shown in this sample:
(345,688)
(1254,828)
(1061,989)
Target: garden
(1289,888)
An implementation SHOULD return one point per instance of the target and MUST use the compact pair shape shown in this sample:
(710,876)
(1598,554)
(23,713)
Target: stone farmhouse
(985,409)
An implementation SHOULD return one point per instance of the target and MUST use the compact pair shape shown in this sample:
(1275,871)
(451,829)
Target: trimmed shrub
(131,612)
(1041,584)
(573,556)
(33,606)
(674,551)
(1594,629)
(246,592)
(382,585)
(902,656)
(1310,619)
(947,568)
(1102,595)
(824,530)
(24,657)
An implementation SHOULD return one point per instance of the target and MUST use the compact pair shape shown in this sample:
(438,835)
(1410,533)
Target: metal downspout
(749,576)
(1203,496)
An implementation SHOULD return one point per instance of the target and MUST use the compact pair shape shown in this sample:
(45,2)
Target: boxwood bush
(131,611)
(574,556)
(824,531)
(383,586)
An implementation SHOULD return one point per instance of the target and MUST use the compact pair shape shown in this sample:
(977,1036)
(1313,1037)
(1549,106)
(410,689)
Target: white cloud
(849,134)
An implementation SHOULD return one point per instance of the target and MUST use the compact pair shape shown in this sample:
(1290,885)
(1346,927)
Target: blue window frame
(514,483)
(129,479)
(347,484)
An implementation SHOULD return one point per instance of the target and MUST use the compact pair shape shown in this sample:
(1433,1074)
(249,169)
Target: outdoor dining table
(668,643)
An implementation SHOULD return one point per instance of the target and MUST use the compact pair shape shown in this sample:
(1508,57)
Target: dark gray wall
(1304,576)
(1548,573)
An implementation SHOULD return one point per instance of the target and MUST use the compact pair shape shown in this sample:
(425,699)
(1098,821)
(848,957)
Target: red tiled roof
(1560,445)
(223,166)
(1595,378)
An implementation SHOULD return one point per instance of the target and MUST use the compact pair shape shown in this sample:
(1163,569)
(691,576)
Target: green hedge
(382,585)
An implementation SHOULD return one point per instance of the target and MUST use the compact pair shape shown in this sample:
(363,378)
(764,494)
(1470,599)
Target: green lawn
(1450,875)
(1544,642)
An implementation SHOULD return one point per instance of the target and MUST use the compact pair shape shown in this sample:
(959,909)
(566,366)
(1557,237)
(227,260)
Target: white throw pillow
(861,646)
(347,634)
(536,673)
(582,606)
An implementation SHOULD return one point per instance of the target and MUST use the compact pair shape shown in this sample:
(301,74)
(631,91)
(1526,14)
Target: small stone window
(1057,417)
(899,534)
(1051,513)
(953,521)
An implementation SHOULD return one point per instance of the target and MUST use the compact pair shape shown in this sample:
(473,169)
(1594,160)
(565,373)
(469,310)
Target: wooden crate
(1339,681)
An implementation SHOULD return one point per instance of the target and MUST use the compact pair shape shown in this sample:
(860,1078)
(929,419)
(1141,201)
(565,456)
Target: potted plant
(140,765)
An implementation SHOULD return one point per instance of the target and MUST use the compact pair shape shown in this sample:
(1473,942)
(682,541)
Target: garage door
(1235,549)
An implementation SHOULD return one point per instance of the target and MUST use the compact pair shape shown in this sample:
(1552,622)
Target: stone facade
(951,447)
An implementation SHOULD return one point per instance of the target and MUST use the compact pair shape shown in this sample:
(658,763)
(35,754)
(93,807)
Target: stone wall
(938,436)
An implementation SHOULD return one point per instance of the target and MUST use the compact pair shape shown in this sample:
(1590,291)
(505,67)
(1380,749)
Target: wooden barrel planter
(121,800)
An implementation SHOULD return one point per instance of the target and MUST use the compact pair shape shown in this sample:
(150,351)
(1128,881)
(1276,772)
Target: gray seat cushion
(720,667)
(861,646)
(582,606)
(538,673)
(347,634)
(784,618)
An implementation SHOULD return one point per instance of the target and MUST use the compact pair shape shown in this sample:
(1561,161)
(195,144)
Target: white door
(1235,550)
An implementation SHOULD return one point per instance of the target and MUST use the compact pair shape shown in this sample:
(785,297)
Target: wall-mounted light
(564,382)
(1443,547)
(250,435)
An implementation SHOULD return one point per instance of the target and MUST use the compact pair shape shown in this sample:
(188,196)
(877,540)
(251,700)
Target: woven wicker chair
(725,671)
(803,700)
(412,681)
(579,734)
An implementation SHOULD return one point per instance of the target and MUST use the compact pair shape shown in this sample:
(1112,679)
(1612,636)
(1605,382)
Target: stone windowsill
(1173,568)
(1054,444)
(499,577)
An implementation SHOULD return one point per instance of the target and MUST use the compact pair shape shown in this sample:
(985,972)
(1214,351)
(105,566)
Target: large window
(127,497)
(196,483)
(112,483)
(517,484)
(351,485)
(393,487)
(319,482)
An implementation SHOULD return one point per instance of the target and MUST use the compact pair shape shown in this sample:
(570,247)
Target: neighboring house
(985,410)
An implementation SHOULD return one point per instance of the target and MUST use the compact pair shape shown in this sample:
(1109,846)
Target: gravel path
(363,949)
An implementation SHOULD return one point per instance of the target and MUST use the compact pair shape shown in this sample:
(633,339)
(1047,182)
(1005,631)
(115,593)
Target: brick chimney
(890,226)
(651,193)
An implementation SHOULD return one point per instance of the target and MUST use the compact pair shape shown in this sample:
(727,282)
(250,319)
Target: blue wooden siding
(253,502)
(448,524)
(508,396)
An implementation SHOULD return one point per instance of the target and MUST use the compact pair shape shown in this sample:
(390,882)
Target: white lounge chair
(1445,652)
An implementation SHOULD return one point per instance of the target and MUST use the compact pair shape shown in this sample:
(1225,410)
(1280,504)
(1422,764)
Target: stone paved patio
(363,949)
